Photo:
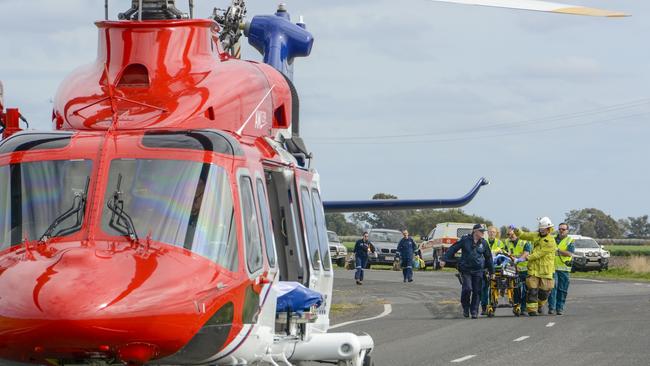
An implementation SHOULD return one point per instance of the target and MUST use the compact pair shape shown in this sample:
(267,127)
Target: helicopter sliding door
(285,214)
(321,277)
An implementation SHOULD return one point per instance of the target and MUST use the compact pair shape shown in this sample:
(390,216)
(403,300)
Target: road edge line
(387,310)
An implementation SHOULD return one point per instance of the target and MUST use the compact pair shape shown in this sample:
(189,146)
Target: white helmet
(544,223)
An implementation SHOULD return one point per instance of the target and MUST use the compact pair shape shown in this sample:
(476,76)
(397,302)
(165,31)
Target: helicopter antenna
(105,9)
(231,21)
(191,6)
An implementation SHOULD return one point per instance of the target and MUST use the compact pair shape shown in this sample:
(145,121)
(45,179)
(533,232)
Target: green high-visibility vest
(496,245)
(518,251)
(563,262)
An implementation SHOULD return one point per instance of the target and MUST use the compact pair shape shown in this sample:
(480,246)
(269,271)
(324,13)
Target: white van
(440,239)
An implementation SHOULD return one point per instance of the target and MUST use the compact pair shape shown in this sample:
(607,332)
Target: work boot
(466,313)
(474,316)
(532,313)
(551,311)
(358,282)
(483,309)
(410,280)
(559,312)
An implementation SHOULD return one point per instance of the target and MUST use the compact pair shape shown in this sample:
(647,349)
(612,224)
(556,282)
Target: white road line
(638,284)
(521,338)
(588,280)
(387,310)
(550,325)
(463,358)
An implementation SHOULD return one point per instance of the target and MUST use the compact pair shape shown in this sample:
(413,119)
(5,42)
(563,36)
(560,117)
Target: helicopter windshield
(34,195)
(182,203)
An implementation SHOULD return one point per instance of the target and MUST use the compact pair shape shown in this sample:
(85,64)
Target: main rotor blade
(392,205)
(537,5)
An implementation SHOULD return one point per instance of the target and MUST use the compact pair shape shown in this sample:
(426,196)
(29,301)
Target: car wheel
(341,262)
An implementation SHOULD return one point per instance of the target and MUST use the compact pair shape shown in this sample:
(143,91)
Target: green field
(628,250)
(614,274)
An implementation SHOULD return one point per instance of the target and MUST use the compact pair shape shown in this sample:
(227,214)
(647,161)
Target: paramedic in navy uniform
(406,250)
(361,249)
(475,258)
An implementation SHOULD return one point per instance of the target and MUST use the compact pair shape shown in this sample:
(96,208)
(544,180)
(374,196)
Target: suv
(440,239)
(589,254)
(338,252)
(385,242)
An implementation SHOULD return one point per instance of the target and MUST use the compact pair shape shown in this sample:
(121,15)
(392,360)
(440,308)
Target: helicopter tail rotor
(537,5)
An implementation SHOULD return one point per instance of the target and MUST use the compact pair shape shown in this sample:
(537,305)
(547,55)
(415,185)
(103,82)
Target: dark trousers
(522,289)
(360,264)
(407,269)
(485,293)
(471,291)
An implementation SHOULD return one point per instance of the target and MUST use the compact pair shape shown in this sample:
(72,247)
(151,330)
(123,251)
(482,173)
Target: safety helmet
(544,223)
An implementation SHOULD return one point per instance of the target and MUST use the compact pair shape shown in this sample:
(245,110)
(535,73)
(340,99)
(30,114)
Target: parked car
(338,252)
(589,255)
(444,235)
(385,242)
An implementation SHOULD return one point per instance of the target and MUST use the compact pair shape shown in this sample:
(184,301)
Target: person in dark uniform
(361,249)
(406,249)
(476,256)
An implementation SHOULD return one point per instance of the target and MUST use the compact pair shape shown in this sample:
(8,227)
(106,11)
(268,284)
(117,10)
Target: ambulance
(440,239)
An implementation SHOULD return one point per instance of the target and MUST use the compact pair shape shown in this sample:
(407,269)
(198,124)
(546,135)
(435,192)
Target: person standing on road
(406,249)
(521,251)
(563,257)
(496,247)
(541,265)
(362,247)
(475,258)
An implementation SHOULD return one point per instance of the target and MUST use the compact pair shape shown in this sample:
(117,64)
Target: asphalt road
(605,323)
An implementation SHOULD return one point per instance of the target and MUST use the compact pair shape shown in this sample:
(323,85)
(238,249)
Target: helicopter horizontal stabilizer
(392,205)
(537,5)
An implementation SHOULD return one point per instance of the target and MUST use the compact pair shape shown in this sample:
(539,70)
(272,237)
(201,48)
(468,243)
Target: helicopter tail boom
(392,205)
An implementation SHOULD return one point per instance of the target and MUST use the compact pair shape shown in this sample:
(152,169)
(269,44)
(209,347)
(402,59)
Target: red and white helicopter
(161,219)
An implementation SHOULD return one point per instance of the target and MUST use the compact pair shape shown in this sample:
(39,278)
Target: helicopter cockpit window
(192,208)
(35,196)
(310,228)
(252,238)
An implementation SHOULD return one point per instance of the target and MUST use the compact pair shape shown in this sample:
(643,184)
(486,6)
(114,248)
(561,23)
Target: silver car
(589,255)
(338,251)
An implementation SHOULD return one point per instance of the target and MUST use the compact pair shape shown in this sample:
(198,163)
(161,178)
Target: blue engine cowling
(279,40)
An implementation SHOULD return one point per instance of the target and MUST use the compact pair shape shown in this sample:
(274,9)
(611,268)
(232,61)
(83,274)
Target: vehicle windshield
(332,237)
(34,195)
(386,236)
(586,243)
(182,203)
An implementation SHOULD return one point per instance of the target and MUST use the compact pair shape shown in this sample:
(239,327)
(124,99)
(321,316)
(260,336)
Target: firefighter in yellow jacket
(541,265)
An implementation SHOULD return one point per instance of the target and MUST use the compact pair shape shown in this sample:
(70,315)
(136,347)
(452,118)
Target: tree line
(588,221)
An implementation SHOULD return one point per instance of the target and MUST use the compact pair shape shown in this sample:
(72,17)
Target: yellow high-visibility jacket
(541,262)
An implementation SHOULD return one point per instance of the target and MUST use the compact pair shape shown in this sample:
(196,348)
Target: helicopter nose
(103,300)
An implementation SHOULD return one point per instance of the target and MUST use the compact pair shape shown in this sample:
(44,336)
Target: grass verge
(614,274)
(628,250)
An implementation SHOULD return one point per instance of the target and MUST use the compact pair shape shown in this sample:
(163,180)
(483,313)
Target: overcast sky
(420,99)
